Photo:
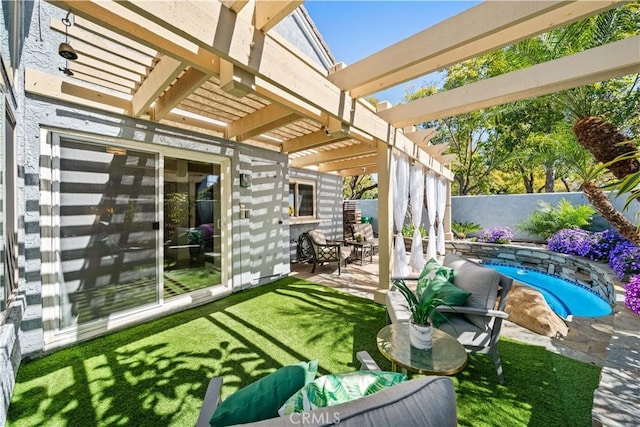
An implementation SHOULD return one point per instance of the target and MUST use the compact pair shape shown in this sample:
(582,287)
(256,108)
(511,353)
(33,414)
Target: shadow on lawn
(157,373)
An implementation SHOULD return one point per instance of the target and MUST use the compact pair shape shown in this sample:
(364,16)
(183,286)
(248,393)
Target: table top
(446,357)
(361,243)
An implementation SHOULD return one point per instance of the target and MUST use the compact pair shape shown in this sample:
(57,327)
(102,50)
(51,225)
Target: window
(302,199)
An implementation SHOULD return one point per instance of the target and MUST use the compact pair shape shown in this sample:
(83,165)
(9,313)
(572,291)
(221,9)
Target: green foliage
(462,229)
(547,220)
(359,187)
(407,230)
(629,185)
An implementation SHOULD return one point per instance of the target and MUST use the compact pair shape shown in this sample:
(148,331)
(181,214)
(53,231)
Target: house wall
(15,304)
(23,324)
(329,208)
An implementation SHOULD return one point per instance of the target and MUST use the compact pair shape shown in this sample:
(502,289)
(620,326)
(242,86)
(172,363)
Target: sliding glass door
(192,226)
(108,230)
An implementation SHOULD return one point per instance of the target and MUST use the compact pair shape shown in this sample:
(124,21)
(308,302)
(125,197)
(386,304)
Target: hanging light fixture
(65,50)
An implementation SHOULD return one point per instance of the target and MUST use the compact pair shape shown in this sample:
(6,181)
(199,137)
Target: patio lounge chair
(477,324)
(325,250)
(366,231)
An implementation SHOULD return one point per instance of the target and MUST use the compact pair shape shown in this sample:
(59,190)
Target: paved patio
(611,342)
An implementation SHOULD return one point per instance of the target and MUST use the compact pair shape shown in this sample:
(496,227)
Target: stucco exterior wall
(329,208)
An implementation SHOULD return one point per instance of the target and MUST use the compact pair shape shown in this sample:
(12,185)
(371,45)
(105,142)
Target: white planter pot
(420,336)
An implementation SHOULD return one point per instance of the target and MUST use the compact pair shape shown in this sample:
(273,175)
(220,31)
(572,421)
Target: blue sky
(354,30)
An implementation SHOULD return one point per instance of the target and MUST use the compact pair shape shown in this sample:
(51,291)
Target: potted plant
(430,293)
(358,237)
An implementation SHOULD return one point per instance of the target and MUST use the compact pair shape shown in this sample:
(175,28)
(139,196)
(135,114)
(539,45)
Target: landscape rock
(528,308)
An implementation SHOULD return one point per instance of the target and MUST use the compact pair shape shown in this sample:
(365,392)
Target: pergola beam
(185,31)
(191,80)
(333,155)
(162,75)
(349,164)
(265,116)
(483,28)
(422,137)
(269,13)
(594,65)
(358,171)
(309,141)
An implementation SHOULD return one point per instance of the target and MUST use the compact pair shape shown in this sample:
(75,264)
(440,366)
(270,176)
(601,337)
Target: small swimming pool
(565,298)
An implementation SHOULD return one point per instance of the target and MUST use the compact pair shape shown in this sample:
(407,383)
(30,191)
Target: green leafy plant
(547,219)
(462,229)
(428,296)
(407,230)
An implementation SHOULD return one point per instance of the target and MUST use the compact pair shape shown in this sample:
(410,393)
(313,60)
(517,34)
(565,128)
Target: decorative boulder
(528,308)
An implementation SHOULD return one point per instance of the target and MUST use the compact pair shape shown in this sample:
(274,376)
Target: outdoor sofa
(422,402)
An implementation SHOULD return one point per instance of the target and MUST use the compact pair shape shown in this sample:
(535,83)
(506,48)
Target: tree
(599,110)
(359,187)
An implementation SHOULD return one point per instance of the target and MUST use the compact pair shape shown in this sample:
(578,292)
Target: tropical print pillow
(433,270)
(335,389)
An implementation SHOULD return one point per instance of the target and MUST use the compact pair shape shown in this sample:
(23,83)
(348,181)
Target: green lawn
(156,373)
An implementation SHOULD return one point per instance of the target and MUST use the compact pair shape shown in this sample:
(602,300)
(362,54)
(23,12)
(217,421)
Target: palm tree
(601,110)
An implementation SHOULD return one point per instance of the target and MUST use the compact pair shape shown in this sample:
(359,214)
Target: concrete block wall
(506,210)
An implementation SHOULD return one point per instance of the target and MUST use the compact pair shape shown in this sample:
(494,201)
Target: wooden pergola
(215,67)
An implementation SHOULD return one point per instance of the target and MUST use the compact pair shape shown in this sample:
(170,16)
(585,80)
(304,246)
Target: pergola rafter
(478,30)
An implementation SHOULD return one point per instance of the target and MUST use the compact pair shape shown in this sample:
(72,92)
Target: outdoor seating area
(225,213)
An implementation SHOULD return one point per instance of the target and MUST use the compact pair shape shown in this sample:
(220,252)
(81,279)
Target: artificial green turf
(156,373)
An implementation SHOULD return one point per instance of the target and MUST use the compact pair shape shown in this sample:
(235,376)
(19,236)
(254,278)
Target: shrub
(567,241)
(624,260)
(407,231)
(623,256)
(501,235)
(547,220)
(462,229)
(632,295)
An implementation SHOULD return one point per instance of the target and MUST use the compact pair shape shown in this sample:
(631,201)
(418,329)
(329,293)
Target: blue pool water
(564,297)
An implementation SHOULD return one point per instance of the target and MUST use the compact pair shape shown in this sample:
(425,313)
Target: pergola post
(385,221)
(448,235)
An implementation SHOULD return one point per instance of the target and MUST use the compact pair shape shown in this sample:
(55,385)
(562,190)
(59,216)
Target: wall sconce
(245,180)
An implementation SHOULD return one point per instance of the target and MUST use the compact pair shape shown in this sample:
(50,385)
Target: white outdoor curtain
(416,190)
(441,206)
(431,210)
(400,175)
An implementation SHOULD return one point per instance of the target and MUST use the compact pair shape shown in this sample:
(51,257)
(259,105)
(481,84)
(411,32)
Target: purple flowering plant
(632,295)
(503,235)
(623,256)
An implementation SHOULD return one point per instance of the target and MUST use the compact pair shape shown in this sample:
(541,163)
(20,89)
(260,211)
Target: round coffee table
(446,357)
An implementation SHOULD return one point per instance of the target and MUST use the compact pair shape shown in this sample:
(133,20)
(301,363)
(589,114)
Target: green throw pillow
(450,294)
(261,399)
(431,270)
(335,389)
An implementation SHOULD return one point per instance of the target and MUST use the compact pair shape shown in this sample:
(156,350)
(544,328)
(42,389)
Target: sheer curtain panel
(442,205)
(416,189)
(400,201)
(431,211)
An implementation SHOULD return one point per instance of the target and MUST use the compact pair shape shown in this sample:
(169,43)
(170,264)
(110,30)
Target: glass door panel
(192,238)
(108,230)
